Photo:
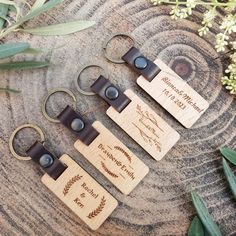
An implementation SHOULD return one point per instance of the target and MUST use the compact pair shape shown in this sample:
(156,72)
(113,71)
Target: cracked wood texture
(160,204)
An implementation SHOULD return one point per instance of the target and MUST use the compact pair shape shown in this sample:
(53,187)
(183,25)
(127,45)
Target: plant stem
(216,4)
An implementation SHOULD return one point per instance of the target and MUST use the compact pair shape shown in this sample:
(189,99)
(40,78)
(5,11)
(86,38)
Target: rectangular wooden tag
(142,124)
(81,193)
(113,159)
(175,95)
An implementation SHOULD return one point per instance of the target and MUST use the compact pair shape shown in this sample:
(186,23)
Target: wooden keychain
(100,147)
(134,116)
(163,84)
(69,182)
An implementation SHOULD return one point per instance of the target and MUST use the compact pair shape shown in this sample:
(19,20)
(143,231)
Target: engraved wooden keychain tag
(69,182)
(101,148)
(164,85)
(135,117)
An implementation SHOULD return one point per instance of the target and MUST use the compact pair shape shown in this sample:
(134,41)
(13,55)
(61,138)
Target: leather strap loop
(87,134)
(37,151)
(148,71)
(100,87)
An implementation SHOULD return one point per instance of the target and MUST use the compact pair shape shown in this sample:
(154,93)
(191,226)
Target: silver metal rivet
(46,160)
(112,93)
(77,124)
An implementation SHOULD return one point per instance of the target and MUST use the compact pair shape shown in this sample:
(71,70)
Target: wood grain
(81,193)
(113,159)
(175,95)
(161,204)
(144,126)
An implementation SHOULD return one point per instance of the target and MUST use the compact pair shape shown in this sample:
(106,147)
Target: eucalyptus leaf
(196,228)
(204,215)
(23,65)
(11,49)
(230,177)
(38,4)
(3,13)
(60,29)
(229,154)
(9,90)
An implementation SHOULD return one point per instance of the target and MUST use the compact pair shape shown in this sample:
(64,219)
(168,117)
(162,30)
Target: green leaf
(38,4)
(196,228)
(33,51)
(9,90)
(11,49)
(60,29)
(229,154)
(22,65)
(3,14)
(45,7)
(204,215)
(13,4)
(230,177)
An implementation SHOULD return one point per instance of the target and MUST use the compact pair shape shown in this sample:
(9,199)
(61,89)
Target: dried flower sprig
(224,39)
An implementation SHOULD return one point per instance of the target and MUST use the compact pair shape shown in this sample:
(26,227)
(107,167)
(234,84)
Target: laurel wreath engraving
(124,152)
(148,116)
(70,183)
(108,171)
(98,209)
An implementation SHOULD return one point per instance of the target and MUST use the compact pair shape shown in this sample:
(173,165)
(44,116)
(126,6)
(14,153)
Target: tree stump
(161,203)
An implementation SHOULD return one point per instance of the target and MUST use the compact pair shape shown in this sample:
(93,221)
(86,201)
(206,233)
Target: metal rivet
(77,124)
(112,93)
(46,160)
(140,63)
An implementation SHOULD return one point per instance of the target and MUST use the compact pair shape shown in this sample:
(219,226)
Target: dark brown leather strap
(116,99)
(142,65)
(83,129)
(50,164)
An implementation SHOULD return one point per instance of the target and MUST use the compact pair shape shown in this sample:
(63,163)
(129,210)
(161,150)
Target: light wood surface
(81,193)
(175,95)
(113,159)
(161,204)
(144,126)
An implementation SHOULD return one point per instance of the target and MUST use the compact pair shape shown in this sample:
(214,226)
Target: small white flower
(203,31)
(229,23)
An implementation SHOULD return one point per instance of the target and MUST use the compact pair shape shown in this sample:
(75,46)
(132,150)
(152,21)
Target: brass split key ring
(16,131)
(109,39)
(45,100)
(77,84)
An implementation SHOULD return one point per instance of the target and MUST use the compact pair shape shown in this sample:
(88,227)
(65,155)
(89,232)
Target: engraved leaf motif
(98,209)
(108,171)
(70,183)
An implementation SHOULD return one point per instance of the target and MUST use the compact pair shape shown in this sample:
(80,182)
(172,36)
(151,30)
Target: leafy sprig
(13,19)
(224,39)
(16,23)
(8,50)
(204,225)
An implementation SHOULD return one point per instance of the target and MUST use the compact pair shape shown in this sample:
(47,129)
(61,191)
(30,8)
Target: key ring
(15,132)
(57,90)
(117,61)
(79,78)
